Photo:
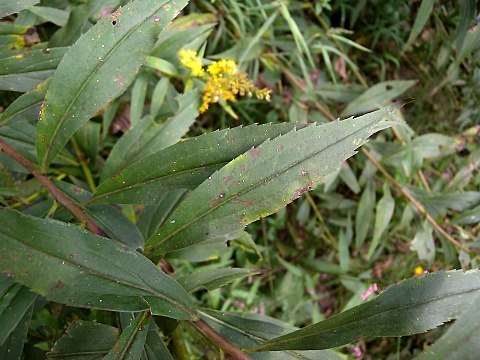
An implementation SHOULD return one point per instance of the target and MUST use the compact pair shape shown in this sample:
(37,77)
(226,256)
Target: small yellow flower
(224,82)
(223,66)
(191,61)
(418,270)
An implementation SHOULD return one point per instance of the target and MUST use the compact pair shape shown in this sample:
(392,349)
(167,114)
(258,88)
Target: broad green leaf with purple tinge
(265,179)
(85,270)
(98,68)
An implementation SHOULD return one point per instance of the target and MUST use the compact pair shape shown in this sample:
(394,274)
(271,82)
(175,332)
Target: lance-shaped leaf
(97,68)
(25,106)
(23,72)
(12,348)
(11,7)
(184,165)
(265,179)
(14,304)
(155,348)
(78,21)
(85,270)
(18,123)
(461,341)
(87,340)
(147,137)
(212,279)
(130,343)
(250,330)
(410,307)
(109,218)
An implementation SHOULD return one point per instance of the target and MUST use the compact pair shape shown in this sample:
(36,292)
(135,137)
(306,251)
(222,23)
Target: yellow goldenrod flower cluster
(191,61)
(223,80)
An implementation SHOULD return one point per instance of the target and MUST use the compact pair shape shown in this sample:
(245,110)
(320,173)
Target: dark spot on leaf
(59,284)
(302,190)
(227,179)
(254,152)
(114,22)
(218,199)
(389,87)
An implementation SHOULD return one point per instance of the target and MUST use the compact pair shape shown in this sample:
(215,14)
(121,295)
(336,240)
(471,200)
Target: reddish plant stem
(225,345)
(56,193)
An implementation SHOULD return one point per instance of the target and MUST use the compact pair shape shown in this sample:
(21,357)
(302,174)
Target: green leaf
(161,65)
(468,217)
(111,53)
(184,165)
(137,102)
(56,16)
(86,270)
(471,43)
(18,124)
(11,7)
(88,139)
(13,346)
(420,20)
(23,72)
(423,243)
(130,344)
(410,307)
(155,348)
(383,215)
(78,21)
(14,304)
(461,341)
(158,96)
(377,96)
(184,32)
(26,106)
(153,216)
(264,180)
(364,215)
(148,137)
(86,340)
(205,251)
(109,218)
(468,12)
(7,28)
(212,279)
(250,330)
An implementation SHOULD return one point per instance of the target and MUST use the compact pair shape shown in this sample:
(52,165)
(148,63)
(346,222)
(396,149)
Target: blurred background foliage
(322,60)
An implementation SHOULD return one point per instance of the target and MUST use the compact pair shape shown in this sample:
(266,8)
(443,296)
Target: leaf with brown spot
(265,180)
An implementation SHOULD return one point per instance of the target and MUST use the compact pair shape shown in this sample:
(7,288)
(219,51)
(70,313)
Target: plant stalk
(56,193)
(223,343)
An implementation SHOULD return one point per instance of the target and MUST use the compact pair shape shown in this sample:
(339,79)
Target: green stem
(83,164)
(180,349)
